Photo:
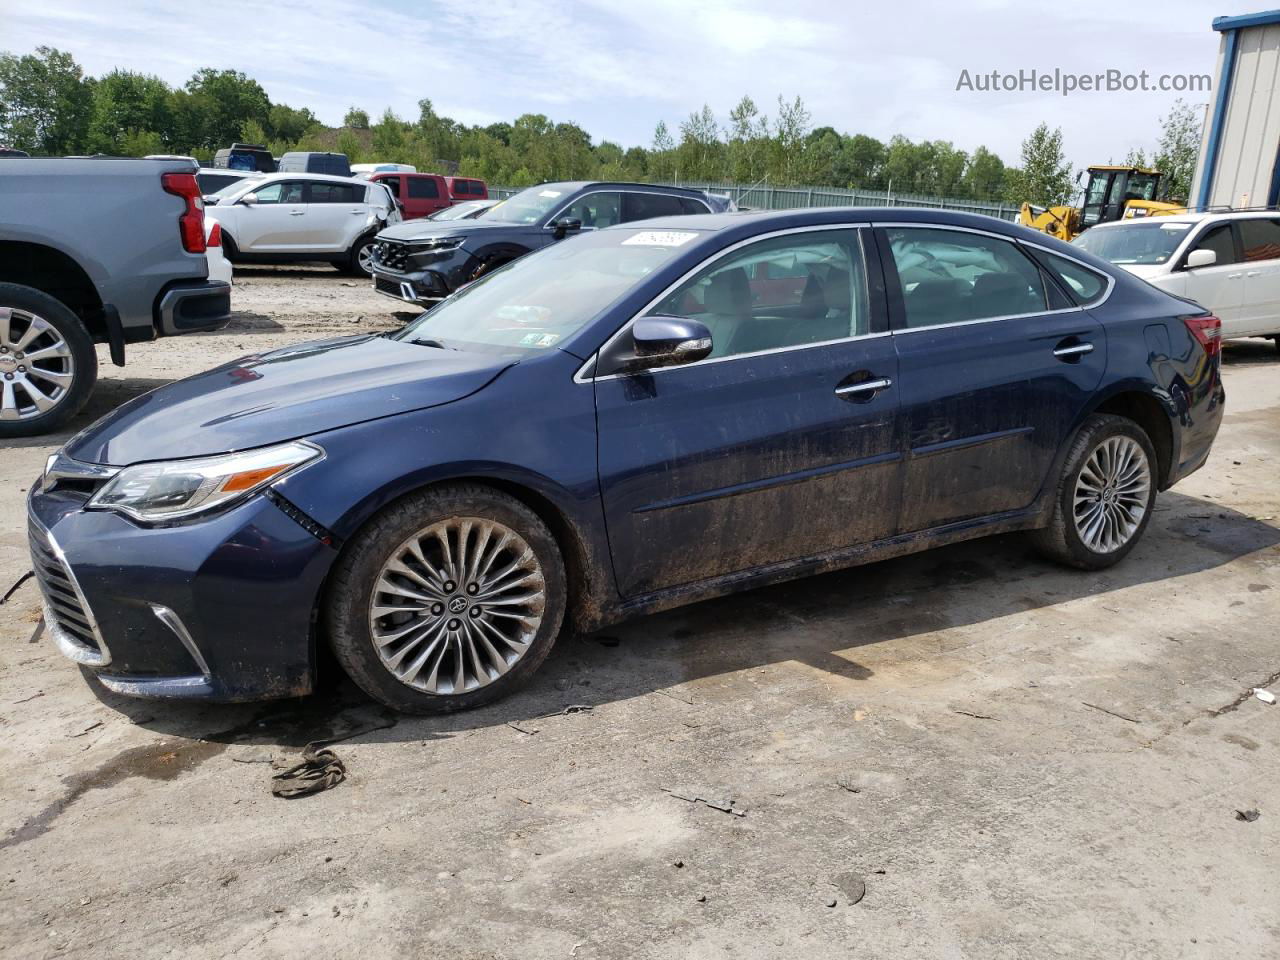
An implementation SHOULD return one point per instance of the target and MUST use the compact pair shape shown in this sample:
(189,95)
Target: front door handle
(1071,351)
(1254,273)
(863,389)
(1234,276)
(296,213)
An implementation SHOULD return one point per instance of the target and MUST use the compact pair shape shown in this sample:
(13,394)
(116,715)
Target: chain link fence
(766,197)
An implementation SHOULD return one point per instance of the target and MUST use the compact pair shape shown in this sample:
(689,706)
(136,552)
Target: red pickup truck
(422,194)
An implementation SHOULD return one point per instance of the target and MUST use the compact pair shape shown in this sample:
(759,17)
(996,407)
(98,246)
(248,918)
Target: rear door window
(423,188)
(950,276)
(335,193)
(1260,239)
(643,206)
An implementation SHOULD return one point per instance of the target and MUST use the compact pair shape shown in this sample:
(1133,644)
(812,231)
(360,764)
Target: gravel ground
(1002,758)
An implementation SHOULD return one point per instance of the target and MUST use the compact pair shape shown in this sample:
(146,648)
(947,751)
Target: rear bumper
(192,307)
(1203,406)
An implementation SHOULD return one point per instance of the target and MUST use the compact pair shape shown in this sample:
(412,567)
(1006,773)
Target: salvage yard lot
(1010,758)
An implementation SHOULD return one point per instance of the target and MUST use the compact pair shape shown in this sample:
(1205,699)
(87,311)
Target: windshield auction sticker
(659,238)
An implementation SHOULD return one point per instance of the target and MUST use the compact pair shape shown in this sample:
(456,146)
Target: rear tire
(48,365)
(448,599)
(360,257)
(1104,497)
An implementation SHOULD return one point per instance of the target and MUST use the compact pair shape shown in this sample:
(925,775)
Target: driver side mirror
(249,199)
(666,342)
(1201,258)
(565,225)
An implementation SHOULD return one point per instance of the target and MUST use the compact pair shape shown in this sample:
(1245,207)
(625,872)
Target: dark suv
(423,262)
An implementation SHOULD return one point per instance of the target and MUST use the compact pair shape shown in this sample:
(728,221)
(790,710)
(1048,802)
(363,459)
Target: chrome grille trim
(67,614)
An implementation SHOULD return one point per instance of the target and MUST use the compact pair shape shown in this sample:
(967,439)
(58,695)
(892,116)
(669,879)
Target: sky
(617,67)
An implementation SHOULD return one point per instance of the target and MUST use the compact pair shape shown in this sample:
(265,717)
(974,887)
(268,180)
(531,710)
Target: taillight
(1208,330)
(215,235)
(191,222)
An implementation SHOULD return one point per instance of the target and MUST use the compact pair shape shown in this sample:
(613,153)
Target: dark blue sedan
(633,419)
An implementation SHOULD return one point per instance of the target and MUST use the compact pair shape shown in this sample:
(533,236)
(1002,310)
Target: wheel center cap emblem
(457,605)
(8,363)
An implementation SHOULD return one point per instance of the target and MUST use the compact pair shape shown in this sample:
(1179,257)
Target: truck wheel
(360,259)
(448,599)
(47,362)
(1105,495)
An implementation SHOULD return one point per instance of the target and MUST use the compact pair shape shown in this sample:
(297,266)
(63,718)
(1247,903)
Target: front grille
(392,255)
(67,615)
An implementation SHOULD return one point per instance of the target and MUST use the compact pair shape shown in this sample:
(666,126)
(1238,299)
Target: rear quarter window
(1086,286)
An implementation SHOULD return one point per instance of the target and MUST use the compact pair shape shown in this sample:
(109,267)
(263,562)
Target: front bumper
(219,609)
(421,277)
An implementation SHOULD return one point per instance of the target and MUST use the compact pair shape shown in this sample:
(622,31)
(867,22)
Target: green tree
(700,153)
(1044,178)
(288,124)
(1179,147)
(220,103)
(356,118)
(984,176)
(790,129)
(46,102)
(349,144)
(126,104)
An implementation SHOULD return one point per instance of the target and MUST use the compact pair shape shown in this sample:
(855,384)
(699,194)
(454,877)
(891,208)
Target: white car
(219,265)
(1228,263)
(299,217)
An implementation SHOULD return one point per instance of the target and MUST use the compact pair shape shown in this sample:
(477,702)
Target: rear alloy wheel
(47,362)
(449,599)
(1105,496)
(361,259)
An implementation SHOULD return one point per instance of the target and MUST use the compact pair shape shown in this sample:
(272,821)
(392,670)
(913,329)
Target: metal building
(1239,161)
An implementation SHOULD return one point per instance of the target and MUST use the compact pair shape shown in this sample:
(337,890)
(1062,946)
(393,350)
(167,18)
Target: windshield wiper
(431,343)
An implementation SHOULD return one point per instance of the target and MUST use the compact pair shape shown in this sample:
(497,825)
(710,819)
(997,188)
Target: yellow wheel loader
(1112,193)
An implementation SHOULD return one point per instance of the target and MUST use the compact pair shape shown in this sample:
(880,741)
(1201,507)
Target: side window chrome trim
(582,376)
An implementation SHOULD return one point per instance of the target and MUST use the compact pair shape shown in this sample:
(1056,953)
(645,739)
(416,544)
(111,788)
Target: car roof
(572,186)
(303,175)
(1198,216)
(835,216)
(228,172)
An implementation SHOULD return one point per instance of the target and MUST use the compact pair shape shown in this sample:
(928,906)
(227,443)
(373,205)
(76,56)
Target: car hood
(426,229)
(282,395)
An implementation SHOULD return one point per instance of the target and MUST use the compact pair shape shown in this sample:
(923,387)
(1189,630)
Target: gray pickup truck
(93,250)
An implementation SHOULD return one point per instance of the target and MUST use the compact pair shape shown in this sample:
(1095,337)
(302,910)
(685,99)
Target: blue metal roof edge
(1246,20)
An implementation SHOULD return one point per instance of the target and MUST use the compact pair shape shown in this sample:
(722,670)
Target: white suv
(292,217)
(1227,262)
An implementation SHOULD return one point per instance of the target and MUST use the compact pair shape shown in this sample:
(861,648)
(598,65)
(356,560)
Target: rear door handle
(1072,350)
(1254,273)
(297,213)
(1234,276)
(863,389)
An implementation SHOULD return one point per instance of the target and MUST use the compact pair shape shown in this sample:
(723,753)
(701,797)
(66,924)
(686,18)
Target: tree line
(49,106)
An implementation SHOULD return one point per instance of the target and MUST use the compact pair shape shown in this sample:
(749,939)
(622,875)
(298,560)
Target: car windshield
(542,299)
(1149,242)
(530,206)
(231,189)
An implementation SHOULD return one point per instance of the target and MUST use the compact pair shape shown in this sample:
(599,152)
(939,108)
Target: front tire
(1105,496)
(47,362)
(446,600)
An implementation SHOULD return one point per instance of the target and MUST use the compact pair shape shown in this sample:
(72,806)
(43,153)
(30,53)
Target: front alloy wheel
(457,605)
(450,598)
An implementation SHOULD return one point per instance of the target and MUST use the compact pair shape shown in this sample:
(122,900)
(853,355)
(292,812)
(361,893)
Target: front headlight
(178,489)
(438,244)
